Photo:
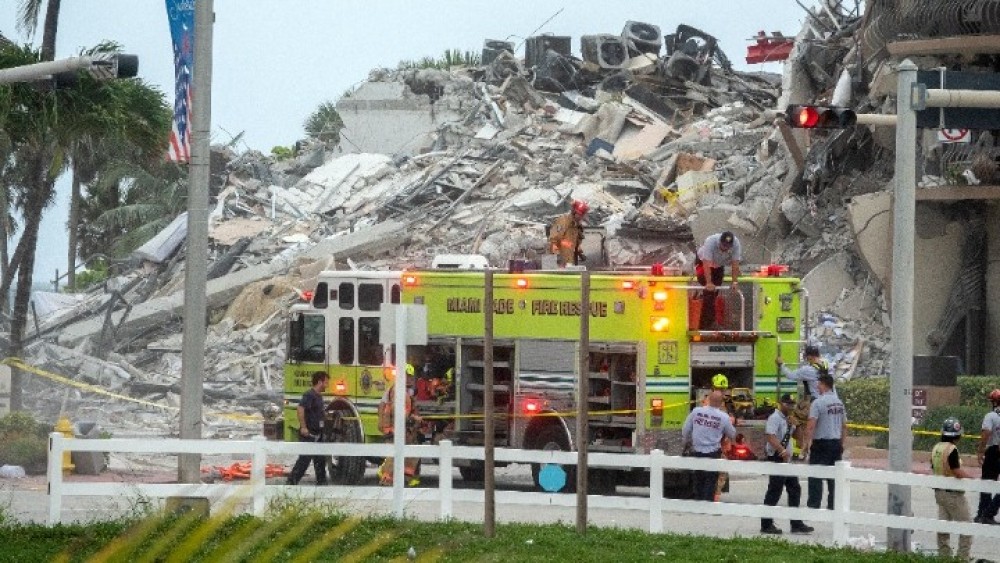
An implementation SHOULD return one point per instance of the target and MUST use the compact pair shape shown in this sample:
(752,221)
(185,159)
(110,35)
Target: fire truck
(649,361)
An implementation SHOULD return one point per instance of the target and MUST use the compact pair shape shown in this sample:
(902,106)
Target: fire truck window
(394,293)
(313,338)
(346,340)
(320,297)
(369,296)
(369,349)
(347,295)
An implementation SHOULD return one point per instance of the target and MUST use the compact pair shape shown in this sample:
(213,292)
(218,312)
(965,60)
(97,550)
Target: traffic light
(820,117)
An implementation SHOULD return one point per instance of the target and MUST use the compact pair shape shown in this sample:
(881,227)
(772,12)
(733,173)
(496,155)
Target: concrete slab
(937,261)
(221,291)
(870,216)
(827,281)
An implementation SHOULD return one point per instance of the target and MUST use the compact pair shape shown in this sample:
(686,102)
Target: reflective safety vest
(939,459)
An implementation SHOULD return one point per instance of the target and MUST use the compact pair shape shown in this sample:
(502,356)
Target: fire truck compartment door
(721,354)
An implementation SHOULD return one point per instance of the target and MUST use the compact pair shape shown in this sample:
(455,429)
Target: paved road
(26,500)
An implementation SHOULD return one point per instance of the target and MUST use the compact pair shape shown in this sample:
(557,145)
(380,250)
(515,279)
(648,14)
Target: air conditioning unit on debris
(460,262)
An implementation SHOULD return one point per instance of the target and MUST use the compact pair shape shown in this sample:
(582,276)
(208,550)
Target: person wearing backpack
(808,374)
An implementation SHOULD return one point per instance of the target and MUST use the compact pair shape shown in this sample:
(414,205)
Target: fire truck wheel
(343,470)
(601,481)
(474,473)
(553,438)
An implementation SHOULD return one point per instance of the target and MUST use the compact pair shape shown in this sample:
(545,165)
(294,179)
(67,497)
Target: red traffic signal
(820,117)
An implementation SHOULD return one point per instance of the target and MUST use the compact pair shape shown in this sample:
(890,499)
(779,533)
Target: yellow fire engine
(648,360)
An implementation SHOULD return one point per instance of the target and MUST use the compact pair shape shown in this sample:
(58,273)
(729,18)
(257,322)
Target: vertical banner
(181,16)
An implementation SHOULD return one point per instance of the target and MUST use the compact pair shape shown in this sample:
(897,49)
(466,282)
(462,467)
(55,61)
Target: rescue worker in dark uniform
(946,462)
(310,413)
(702,434)
(566,235)
(778,450)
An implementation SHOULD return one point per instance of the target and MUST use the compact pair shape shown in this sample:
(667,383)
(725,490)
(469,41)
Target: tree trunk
(74,225)
(49,33)
(4,245)
(26,248)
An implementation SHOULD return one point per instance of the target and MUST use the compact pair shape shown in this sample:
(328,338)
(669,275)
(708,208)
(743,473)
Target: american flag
(181,16)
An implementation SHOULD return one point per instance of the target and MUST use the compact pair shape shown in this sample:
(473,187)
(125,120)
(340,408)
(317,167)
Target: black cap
(726,238)
(787,399)
(812,350)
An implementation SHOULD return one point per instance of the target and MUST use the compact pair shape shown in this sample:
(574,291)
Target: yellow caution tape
(874,428)
(21,365)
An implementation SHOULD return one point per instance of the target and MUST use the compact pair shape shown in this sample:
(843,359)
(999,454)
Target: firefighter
(945,461)
(702,433)
(710,265)
(310,412)
(808,374)
(989,459)
(566,234)
(386,423)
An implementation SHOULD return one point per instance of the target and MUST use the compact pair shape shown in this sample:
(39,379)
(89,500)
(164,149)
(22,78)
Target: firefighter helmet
(995,396)
(951,428)
(580,207)
(720,381)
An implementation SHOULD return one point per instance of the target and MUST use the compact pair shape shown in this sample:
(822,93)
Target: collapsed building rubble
(666,149)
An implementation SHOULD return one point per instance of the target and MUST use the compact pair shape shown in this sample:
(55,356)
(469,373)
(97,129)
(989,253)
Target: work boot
(986,520)
(772,529)
(291,481)
(802,529)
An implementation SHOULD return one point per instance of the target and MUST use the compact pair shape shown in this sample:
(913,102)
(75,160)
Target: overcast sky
(276,61)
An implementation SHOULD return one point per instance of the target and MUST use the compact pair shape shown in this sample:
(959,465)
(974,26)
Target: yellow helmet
(410,370)
(720,381)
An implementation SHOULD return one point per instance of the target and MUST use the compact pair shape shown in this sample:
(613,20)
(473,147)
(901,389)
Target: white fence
(258,450)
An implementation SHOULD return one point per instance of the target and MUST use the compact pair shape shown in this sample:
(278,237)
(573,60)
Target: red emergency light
(531,406)
(656,407)
(656,269)
(307,296)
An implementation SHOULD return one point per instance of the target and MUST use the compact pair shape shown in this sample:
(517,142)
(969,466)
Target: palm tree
(42,127)
(27,23)
(133,127)
(129,204)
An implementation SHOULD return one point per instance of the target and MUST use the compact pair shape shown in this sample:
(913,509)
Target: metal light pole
(195,275)
(901,357)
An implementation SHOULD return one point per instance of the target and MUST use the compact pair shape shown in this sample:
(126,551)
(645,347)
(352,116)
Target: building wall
(387,118)
(993,290)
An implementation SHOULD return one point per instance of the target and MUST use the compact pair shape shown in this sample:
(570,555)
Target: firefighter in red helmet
(566,234)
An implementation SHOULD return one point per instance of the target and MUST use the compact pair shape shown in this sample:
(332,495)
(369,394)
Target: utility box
(492,49)
(642,38)
(536,47)
(605,51)
(935,383)
(274,429)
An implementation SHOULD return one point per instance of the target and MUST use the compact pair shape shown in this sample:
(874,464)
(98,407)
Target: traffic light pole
(901,356)
(101,65)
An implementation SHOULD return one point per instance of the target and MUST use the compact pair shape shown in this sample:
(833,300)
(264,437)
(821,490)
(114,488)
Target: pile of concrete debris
(666,150)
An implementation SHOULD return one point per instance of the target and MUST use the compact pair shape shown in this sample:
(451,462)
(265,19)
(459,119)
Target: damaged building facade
(652,126)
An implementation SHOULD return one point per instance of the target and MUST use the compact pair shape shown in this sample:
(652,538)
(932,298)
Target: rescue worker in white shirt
(709,267)
(808,374)
(702,434)
(824,439)
(779,434)
(946,462)
(566,234)
(989,460)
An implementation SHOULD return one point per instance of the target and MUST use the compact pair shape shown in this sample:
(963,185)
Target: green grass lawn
(307,534)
